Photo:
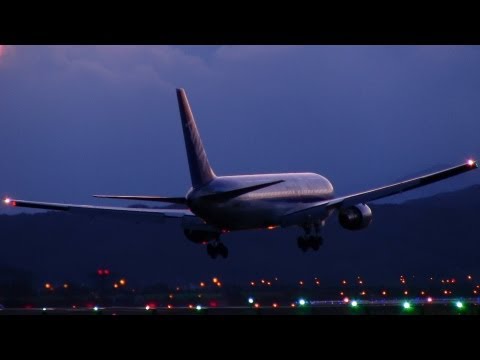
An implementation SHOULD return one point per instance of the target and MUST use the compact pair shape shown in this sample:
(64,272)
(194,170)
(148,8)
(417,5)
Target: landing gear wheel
(309,241)
(222,250)
(212,251)
(315,242)
(302,243)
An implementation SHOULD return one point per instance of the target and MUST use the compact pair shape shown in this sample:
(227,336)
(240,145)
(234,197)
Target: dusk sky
(83,120)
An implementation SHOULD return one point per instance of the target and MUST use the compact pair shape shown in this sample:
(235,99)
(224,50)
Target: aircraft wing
(323,208)
(138,214)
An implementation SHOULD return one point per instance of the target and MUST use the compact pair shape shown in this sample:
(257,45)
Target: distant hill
(438,235)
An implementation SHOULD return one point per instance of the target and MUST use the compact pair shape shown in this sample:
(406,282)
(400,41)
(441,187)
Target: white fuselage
(260,208)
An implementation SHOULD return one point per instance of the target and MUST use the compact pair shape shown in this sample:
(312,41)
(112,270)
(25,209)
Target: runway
(353,307)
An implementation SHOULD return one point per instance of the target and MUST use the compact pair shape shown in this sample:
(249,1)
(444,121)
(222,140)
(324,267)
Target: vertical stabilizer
(200,170)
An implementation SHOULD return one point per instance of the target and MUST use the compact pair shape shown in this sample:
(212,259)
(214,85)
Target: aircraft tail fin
(200,170)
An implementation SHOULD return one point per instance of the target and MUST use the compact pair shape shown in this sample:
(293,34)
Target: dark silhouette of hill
(436,235)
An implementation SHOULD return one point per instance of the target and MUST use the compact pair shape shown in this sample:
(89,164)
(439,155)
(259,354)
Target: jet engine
(355,217)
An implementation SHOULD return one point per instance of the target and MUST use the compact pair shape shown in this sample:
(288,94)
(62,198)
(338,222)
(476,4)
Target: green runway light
(354,303)
(302,302)
(198,307)
(459,304)
(406,305)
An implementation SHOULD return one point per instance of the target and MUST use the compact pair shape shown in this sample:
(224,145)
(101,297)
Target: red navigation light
(100,272)
(9,201)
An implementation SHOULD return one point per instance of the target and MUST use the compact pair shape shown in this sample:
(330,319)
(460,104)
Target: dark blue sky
(82,120)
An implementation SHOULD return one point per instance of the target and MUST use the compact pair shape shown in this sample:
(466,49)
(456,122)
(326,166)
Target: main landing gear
(309,240)
(216,248)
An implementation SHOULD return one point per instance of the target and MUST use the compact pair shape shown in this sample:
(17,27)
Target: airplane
(215,205)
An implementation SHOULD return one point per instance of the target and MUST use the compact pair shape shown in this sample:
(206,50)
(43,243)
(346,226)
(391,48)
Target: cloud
(157,65)
(251,52)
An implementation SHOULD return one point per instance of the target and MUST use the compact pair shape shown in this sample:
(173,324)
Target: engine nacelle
(200,237)
(355,217)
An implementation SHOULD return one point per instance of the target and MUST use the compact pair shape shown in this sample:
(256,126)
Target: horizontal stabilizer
(227,195)
(172,200)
